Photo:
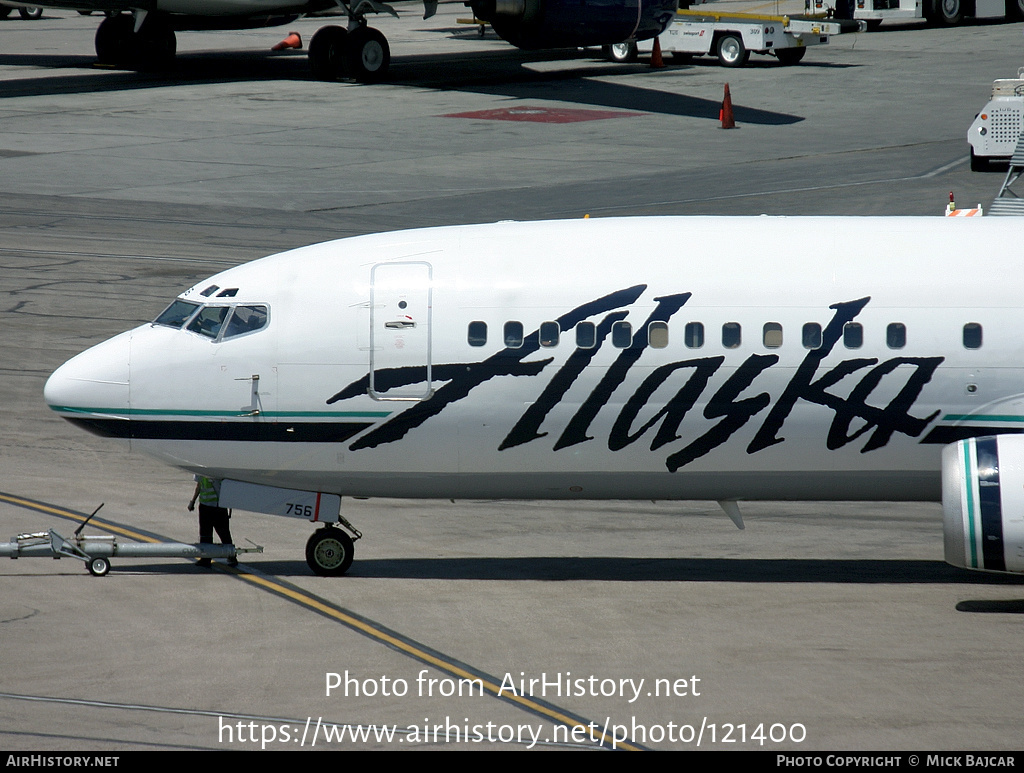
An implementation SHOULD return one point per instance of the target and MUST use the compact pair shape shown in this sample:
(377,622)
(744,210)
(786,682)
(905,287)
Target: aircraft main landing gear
(362,53)
(151,48)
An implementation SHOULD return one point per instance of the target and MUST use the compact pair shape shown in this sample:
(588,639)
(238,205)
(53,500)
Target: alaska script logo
(810,383)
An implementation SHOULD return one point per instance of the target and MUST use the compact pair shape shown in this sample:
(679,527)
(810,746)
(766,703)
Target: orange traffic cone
(656,60)
(292,41)
(725,114)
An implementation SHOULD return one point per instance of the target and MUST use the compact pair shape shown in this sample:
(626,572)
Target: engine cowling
(983,503)
(534,24)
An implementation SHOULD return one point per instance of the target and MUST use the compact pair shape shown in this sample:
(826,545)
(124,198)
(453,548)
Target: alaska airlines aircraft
(144,37)
(640,358)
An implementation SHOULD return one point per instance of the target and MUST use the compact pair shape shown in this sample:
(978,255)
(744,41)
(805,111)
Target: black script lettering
(576,431)
(526,428)
(895,417)
(465,377)
(800,386)
(673,412)
(736,413)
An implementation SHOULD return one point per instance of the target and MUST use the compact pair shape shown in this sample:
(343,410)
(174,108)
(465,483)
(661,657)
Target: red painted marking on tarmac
(542,114)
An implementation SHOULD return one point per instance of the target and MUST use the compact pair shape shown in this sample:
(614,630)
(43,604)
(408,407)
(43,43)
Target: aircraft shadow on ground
(996,606)
(729,570)
(591,93)
(492,73)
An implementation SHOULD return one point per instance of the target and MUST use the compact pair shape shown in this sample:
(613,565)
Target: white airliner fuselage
(640,358)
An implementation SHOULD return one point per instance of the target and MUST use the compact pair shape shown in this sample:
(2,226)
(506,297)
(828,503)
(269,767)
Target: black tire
(115,40)
(790,56)
(945,13)
(731,51)
(31,13)
(621,52)
(5,11)
(327,53)
(1015,9)
(367,55)
(98,567)
(154,45)
(329,552)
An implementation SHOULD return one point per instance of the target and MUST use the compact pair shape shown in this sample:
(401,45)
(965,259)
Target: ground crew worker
(211,515)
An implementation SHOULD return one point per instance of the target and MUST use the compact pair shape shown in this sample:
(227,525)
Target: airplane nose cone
(93,384)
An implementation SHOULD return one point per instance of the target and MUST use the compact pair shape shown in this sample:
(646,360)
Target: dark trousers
(214,518)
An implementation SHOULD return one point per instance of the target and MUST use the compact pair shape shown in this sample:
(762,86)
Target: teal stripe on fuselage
(981,417)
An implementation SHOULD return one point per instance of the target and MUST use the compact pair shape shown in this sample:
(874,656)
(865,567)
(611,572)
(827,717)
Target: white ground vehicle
(939,12)
(993,135)
(732,36)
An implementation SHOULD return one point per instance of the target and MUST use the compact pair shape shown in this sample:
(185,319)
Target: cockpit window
(176,314)
(208,321)
(246,319)
(215,322)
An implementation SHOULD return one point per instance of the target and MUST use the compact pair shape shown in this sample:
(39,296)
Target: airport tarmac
(828,625)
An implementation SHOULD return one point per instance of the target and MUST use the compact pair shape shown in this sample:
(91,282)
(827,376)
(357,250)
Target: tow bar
(96,550)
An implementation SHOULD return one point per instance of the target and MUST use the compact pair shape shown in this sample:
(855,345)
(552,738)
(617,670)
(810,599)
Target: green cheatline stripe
(969,488)
(231,414)
(980,417)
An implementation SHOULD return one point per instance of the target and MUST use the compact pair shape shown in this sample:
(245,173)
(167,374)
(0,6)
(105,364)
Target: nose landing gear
(329,552)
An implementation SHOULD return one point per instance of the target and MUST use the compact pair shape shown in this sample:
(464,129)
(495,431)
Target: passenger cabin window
(208,321)
(246,319)
(513,334)
(693,335)
(477,334)
(972,335)
(811,335)
(622,334)
(731,335)
(586,335)
(549,334)
(176,314)
(896,335)
(853,335)
(771,336)
(657,335)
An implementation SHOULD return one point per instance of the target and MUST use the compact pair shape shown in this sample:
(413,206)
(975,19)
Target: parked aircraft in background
(719,358)
(25,11)
(144,35)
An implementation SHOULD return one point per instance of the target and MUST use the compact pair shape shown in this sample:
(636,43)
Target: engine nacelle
(536,24)
(983,503)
